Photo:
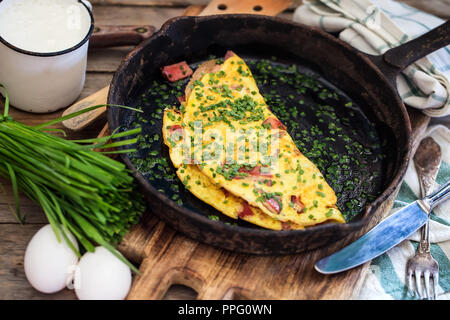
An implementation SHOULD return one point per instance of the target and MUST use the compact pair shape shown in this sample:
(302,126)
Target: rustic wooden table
(102,63)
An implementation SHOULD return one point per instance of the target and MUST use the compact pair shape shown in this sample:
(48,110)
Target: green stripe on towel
(389,279)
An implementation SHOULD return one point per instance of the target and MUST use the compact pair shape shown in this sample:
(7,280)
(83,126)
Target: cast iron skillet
(369,80)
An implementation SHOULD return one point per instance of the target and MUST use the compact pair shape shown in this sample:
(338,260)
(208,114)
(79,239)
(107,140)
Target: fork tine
(426,276)
(435,277)
(418,276)
(410,283)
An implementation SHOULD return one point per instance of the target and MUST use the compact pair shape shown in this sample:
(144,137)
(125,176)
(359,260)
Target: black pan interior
(340,134)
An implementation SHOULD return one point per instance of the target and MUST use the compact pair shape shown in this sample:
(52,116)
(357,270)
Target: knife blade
(386,235)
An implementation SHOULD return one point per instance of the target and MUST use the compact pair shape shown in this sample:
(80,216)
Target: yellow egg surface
(205,189)
(236,142)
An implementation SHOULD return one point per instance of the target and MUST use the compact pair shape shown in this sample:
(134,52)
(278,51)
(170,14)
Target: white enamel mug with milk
(39,81)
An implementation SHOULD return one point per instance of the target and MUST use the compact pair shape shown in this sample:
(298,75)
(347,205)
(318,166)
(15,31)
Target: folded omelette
(233,153)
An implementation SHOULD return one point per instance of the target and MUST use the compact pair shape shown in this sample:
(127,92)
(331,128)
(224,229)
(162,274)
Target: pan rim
(355,224)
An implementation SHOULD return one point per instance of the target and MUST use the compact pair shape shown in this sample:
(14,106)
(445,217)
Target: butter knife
(386,235)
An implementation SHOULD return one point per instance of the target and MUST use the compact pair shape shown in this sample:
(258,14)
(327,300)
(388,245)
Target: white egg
(49,264)
(102,276)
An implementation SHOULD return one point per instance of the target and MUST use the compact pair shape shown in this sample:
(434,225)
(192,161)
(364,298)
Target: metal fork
(427,161)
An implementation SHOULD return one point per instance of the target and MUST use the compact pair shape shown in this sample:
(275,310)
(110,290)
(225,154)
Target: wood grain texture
(82,121)
(440,8)
(106,60)
(115,36)
(127,15)
(101,65)
(193,10)
(13,283)
(169,258)
(267,7)
(149,3)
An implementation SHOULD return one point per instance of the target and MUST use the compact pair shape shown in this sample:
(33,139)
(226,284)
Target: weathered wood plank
(440,8)
(180,292)
(149,3)
(162,3)
(102,63)
(13,283)
(106,60)
(94,82)
(33,212)
(265,7)
(126,15)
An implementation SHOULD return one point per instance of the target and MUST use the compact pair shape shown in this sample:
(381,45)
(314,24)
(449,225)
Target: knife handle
(442,194)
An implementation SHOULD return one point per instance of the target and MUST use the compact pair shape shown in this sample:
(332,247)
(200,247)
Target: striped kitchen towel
(387,275)
(375,26)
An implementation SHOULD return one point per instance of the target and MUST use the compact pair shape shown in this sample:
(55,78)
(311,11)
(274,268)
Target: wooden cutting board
(166,257)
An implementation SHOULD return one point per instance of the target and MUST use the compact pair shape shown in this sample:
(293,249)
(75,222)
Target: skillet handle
(393,61)
(116,36)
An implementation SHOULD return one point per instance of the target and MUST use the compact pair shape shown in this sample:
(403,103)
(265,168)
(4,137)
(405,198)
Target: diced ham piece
(285,225)
(273,205)
(174,128)
(177,71)
(229,54)
(176,132)
(225,192)
(246,211)
(298,205)
(182,99)
(274,123)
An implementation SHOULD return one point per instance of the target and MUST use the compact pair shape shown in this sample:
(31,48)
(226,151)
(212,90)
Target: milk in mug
(43,51)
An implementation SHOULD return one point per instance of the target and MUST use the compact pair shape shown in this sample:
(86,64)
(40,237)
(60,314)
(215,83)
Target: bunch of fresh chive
(80,190)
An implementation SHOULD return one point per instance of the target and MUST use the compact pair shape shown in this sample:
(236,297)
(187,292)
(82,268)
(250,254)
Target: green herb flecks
(318,118)
(324,123)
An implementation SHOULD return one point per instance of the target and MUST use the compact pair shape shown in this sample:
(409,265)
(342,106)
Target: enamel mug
(44,82)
